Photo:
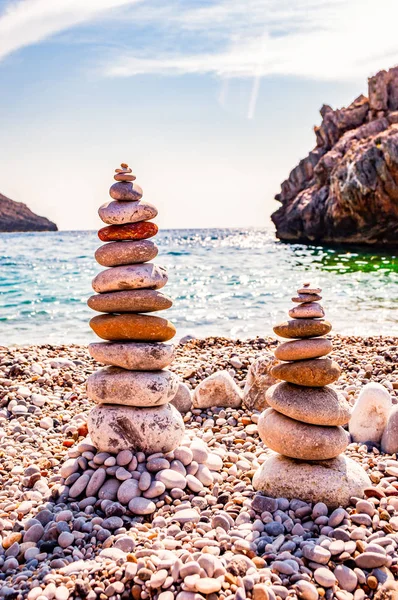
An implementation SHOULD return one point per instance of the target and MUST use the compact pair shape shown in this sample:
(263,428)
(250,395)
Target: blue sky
(211,102)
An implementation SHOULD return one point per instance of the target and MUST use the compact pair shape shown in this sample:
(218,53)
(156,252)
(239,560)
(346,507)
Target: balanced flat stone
(134,328)
(309,310)
(114,254)
(309,290)
(112,385)
(133,356)
(302,349)
(129,231)
(333,482)
(315,372)
(303,328)
(119,213)
(124,190)
(130,277)
(316,406)
(130,301)
(114,428)
(124,168)
(300,440)
(306,298)
(124,177)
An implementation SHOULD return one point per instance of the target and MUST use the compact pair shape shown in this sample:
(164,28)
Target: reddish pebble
(374,493)
(129,231)
(83,430)
(68,443)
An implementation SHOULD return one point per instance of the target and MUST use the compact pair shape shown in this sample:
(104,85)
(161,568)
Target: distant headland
(16,216)
(346,189)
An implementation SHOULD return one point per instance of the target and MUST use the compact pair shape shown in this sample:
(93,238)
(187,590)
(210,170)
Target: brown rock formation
(15,216)
(346,189)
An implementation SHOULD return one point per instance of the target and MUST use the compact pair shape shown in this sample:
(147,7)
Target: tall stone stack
(304,424)
(133,392)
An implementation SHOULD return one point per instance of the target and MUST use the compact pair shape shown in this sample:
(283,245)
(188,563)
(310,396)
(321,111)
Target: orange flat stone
(129,231)
(136,328)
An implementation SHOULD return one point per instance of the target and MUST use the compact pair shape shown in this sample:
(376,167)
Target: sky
(211,102)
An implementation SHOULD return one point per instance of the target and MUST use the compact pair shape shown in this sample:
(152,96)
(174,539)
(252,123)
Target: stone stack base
(333,481)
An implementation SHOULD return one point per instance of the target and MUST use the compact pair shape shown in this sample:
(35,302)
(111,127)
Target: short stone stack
(134,391)
(306,416)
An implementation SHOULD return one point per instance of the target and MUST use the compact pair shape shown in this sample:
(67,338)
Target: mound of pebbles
(138,482)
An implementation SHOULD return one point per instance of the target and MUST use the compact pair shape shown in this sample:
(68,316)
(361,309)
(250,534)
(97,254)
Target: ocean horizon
(224,282)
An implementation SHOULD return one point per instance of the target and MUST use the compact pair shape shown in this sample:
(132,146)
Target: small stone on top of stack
(306,416)
(133,393)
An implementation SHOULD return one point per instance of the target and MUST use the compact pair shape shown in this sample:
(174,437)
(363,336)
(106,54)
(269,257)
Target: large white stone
(112,385)
(119,213)
(389,441)
(258,380)
(114,428)
(130,277)
(370,414)
(183,398)
(218,389)
(333,481)
(135,356)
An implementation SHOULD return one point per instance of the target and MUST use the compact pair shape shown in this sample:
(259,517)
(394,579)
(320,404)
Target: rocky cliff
(15,216)
(346,189)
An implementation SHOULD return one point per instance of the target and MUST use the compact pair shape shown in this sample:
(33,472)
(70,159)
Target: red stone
(374,493)
(83,430)
(129,231)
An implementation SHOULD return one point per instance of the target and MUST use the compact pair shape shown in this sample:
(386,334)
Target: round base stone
(113,428)
(333,482)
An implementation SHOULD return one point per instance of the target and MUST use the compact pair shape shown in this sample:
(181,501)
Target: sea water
(224,282)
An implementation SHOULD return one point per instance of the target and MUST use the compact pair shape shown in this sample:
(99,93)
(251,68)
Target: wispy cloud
(27,22)
(321,39)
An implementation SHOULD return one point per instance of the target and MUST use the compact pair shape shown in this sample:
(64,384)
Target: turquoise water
(235,283)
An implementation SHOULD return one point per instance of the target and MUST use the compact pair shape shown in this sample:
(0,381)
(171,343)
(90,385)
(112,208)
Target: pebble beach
(211,535)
